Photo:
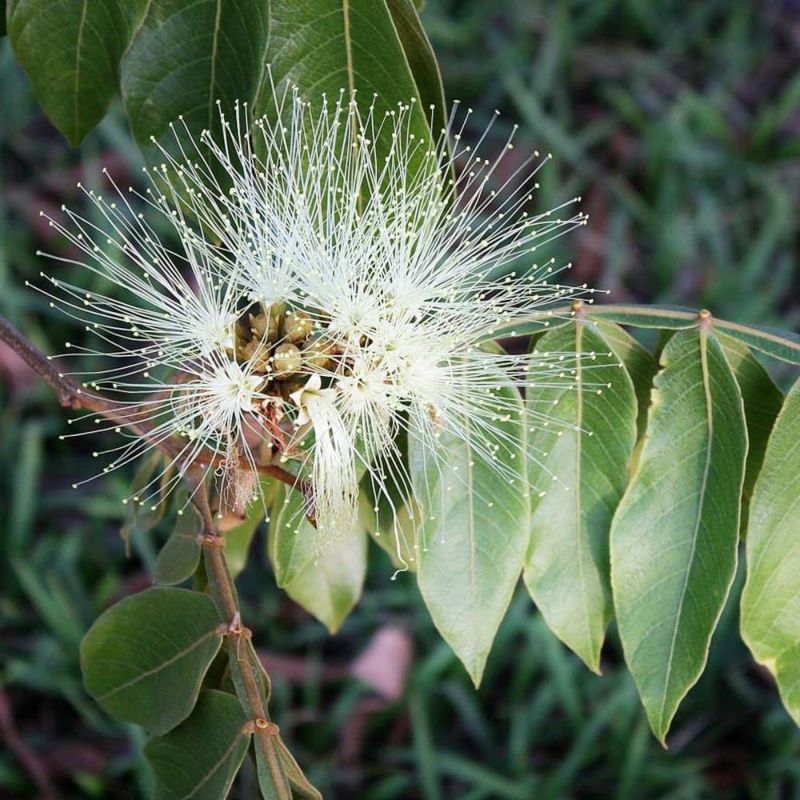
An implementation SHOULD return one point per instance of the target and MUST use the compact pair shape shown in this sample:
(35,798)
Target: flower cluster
(337,279)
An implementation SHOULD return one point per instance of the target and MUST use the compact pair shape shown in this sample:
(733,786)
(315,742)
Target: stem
(244,666)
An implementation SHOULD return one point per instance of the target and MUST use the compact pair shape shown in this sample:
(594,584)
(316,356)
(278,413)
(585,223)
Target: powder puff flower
(343,292)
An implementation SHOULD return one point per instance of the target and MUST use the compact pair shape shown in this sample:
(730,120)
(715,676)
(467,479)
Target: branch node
(266,727)
(235,628)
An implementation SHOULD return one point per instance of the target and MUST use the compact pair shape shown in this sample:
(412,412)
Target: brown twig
(250,690)
(29,761)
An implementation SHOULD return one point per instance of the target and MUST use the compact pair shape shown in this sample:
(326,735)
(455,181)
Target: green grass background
(678,122)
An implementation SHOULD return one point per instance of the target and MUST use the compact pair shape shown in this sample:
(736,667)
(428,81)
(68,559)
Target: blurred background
(679,124)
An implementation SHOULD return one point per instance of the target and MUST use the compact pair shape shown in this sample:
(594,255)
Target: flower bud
(286,359)
(296,326)
(317,353)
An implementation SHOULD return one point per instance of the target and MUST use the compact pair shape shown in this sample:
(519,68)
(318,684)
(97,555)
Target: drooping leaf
(473,536)
(770,617)
(200,758)
(639,364)
(762,403)
(325,576)
(675,532)
(144,659)
(188,56)
(71,49)
(586,448)
(180,555)
(326,46)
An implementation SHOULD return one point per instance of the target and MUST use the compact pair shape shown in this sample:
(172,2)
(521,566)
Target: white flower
(340,293)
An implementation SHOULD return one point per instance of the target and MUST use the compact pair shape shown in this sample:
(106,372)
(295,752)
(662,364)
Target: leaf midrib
(578,476)
(703,341)
(214,46)
(159,667)
(78,45)
(215,767)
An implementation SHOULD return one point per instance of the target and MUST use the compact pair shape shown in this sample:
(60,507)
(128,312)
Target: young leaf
(200,758)
(186,57)
(770,617)
(586,449)
(474,532)
(675,533)
(325,577)
(180,555)
(70,49)
(144,659)
(762,403)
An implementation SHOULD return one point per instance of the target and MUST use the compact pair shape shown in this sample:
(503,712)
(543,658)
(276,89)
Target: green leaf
(780,344)
(582,457)
(144,659)
(474,533)
(662,317)
(770,617)
(71,49)
(675,533)
(200,758)
(302,788)
(186,57)
(325,46)
(239,537)
(389,518)
(762,403)
(180,555)
(393,531)
(787,674)
(140,518)
(639,364)
(421,60)
(325,577)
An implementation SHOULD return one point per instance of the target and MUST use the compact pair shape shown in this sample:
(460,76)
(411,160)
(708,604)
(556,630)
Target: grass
(678,124)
